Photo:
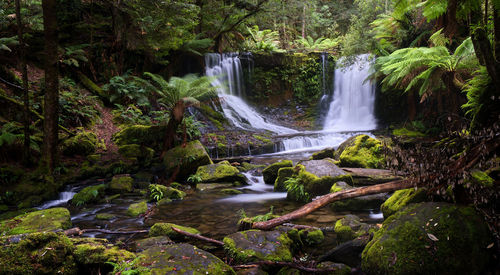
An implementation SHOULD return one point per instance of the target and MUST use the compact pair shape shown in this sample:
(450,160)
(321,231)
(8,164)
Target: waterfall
(352,107)
(228,78)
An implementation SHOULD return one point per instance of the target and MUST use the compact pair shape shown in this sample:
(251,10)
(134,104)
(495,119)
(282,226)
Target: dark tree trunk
(51,104)
(24,71)
(176,116)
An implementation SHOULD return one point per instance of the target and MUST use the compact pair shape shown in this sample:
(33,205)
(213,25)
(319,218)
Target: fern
(156,193)
(194,178)
(6,42)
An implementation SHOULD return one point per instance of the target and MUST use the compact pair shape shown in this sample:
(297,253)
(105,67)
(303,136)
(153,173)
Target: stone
(367,202)
(146,135)
(430,238)
(89,194)
(98,252)
(351,227)
(402,198)
(121,184)
(230,191)
(165,229)
(254,245)
(43,220)
(311,236)
(182,259)
(136,209)
(83,143)
(143,154)
(283,174)
(361,151)
(322,168)
(219,172)
(370,176)
(348,253)
(323,154)
(186,159)
(105,216)
(270,173)
(165,192)
(144,244)
(340,269)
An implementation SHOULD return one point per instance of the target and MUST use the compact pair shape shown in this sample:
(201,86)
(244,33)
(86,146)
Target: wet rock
(186,160)
(165,229)
(219,172)
(99,253)
(151,136)
(165,192)
(42,220)
(402,198)
(283,174)
(255,245)
(142,154)
(136,209)
(251,271)
(350,227)
(230,191)
(369,176)
(83,143)
(89,194)
(340,269)
(105,216)
(361,151)
(348,253)
(121,184)
(270,173)
(182,259)
(429,238)
(322,168)
(212,186)
(359,203)
(144,244)
(323,154)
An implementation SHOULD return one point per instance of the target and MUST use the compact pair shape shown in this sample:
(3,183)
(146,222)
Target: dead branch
(199,237)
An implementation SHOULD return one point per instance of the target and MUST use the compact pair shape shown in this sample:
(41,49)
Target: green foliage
(261,40)
(194,178)
(319,45)
(129,115)
(479,97)
(296,188)
(130,267)
(76,107)
(73,55)
(192,127)
(6,42)
(196,46)
(128,89)
(156,194)
(11,133)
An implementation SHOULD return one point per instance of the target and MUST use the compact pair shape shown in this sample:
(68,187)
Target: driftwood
(199,237)
(329,198)
(309,270)
(77,231)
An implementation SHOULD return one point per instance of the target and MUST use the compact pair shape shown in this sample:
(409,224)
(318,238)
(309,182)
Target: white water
(64,197)
(352,108)
(261,191)
(228,78)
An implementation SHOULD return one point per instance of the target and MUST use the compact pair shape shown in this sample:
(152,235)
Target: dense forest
(165,137)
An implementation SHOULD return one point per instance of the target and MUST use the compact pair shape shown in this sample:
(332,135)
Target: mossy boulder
(348,253)
(186,160)
(165,229)
(141,153)
(429,238)
(219,172)
(323,154)
(147,135)
(402,198)
(231,191)
(361,151)
(339,269)
(254,245)
(42,220)
(311,236)
(351,227)
(99,252)
(84,143)
(141,245)
(167,192)
(89,194)
(283,174)
(136,209)
(121,184)
(105,216)
(270,173)
(182,259)
(37,253)
(359,203)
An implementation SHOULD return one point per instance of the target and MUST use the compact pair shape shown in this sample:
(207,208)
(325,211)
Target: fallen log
(329,198)
(199,237)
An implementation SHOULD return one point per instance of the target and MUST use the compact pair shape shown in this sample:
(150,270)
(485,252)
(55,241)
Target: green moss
(105,216)
(429,238)
(325,153)
(84,143)
(365,152)
(482,178)
(219,172)
(270,173)
(404,132)
(142,153)
(312,236)
(137,209)
(186,160)
(89,194)
(283,174)
(94,158)
(339,269)
(262,139)
(43,220)
(95,252)
(166,192)
(121,184)
(350,227)
(165,229)
(401,198)
(245,166)
(230,191)
(146,135)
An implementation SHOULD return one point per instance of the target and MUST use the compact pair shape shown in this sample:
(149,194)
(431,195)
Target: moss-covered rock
(348,253)
(351,227)
(270,173)
(355,204)
(255,245)
(429,238)
(105,216)
(136,209)
(182,259)
(141,245)
(219,172)
(121,184)
(311,236)
(231,191)
(340,269)
(165,229)
(42,220)
(84,143)
(37,253)
(283,174)
(159,191)
(186,160)
(402,198)
(361,151)
(89,194)
(143,154)
(146,135)
(99,252)
(323,154)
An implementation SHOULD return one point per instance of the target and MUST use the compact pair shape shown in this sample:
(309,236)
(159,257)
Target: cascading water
(228,78)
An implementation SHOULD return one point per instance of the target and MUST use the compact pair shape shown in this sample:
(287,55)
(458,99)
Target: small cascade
(312,141)
(64,197)
(260,191)
(228,78)
(352,107)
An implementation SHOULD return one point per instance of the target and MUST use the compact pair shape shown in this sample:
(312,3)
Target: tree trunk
(51,99)
(24,71)
(304,21)
(176,116)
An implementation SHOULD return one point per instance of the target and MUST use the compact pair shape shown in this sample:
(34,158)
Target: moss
(94,252)
(404,132)
(84,143)
(429,238)
(219,172)
(165,229)
(230,191)
(146,135)
(121,184)
(350,227)
(94,158)
(167,192)
(105,216)
(136,209)
(186,160)
(142,153)
(262,139)
(323,185)
(312,236)
(245,166)
(283,174)
(43,220)
(88,195)
(270,173)
(401,198)
(323,154)
(482,178)
(339,269)
(365,152)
